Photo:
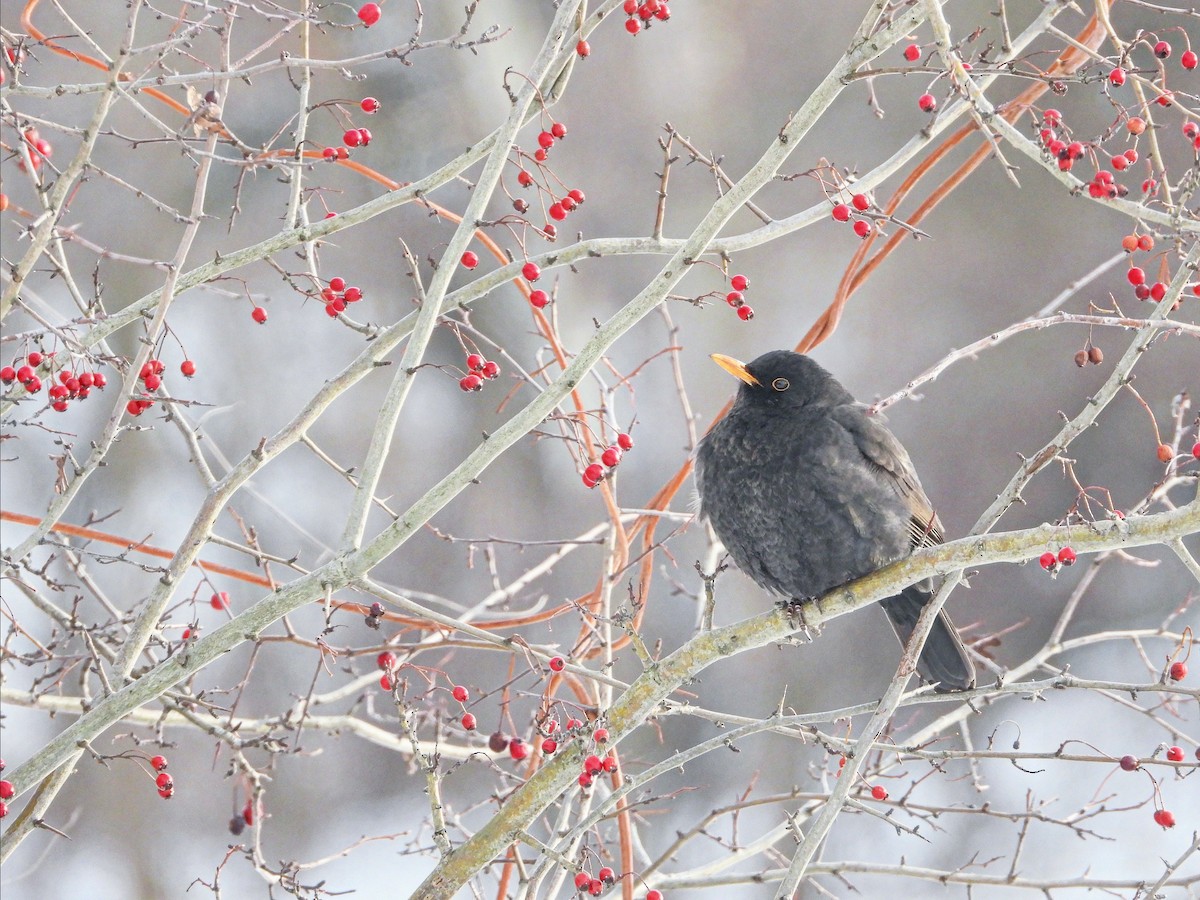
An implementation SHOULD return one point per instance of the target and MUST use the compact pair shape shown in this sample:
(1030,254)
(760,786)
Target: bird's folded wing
(889,458)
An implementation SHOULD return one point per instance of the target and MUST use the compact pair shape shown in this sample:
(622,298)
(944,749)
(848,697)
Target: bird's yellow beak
(735,368)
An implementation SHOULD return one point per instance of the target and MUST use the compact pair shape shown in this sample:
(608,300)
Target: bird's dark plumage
(807,492)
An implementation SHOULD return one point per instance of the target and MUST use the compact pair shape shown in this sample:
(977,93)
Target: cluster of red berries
(387,661)
(7,792)
(844,212)
(594,766)
(335,153)
(478,369)
(559,208)
(71,386)
(151,377)
(39,149)
(162,781)
(605,878)
(736,298)
(644,13)
(338,295)
(369,14)
(609,459)
(531,272)
(356,137)
(1050,562)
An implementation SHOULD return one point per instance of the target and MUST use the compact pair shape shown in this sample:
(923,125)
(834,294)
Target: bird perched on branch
(807,492)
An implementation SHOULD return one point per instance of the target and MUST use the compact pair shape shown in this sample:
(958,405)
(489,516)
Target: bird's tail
(944,660)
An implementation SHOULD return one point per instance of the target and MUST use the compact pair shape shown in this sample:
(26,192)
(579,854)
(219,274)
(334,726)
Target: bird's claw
(794,607)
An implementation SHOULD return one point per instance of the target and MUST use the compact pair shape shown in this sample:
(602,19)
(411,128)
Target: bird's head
(782,379)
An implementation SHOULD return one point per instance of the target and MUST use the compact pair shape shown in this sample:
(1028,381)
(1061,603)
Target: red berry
(630,7)
(518,749)
(1190,130)
(549,231)
(654,895)
(469,259)
(927,103)
(557,664)
(568,203)
(862,228)
(739,282)
(1074,149)
(577,195)
(912,52)
(1158,290)
(1189,59)
(596,886)
(490,370)
(593,473)
(1052,117)
(6,790)
(369,13)
(549,745)
(879,792)
(259,315)
(1119,162)
(164,781)
(369,105)
(633,26)
(524,179)
(611,456)
(1162,49)
(1116,77)
(1178,671)
(474,362)
(158,763)
(365,135)
(538,298)
(352,137)
(386,660)
(1165,818)
(187,367)
(8,374)
(545,140)
(248,814)
(610,764)
(531,272)
(219,600)
(861,202)
(1132,156)
(1048,560)
(559,130)
(352,294)
(1175,754)
(745,313)
(841,213)
(3,809)
(1165,98)
(34,358)
(735,299)
(582,880)
(460,693)
(600,735)
(1066,556)
(592,765)
(167,793)
(25,374)
(471,382)
(468,722)
(1136,276)
(585,780)
(1135,124)
(557,212)
(583,48)
(1129,763)
(607,875)
(625,442)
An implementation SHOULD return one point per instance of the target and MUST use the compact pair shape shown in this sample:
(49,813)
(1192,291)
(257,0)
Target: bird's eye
(781,384)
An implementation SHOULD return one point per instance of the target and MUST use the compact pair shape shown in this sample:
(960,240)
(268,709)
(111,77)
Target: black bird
(807,492)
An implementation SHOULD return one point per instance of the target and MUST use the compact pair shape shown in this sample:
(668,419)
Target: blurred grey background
(727,76)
